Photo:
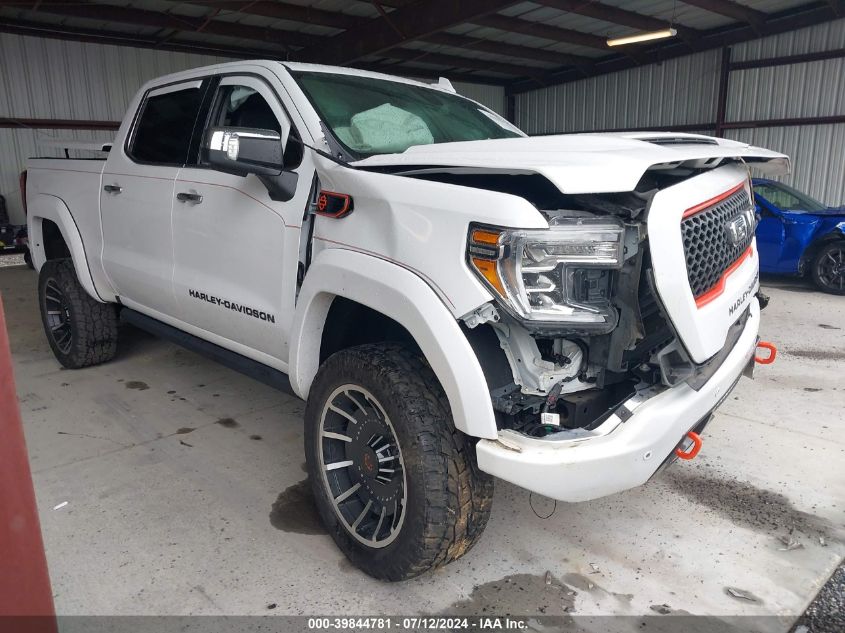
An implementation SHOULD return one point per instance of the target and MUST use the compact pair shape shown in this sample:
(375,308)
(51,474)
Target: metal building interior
(766,72)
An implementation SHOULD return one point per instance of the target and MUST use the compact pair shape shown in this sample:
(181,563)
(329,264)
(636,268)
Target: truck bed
(74,184)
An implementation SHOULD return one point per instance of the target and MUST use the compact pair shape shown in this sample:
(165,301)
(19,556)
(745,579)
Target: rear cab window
(166,123)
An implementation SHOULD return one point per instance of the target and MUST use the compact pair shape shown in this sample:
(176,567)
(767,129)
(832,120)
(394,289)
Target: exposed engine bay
(546,379)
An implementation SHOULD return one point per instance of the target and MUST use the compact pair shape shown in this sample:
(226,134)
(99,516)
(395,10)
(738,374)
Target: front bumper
(619,454)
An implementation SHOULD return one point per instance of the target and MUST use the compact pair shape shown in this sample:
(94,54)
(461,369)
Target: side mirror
(241,151)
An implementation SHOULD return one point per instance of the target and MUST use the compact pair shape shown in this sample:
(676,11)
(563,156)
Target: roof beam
(623,17)
(607,13)
(183,23)
(527,27)
(733,10)
(336,20)
(508,50)
(98,36)
(538,29)
(284,11)
(177,24)
(453,61)
(781,22)
(406,24)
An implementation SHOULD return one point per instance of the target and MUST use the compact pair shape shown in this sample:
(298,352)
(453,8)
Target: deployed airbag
(385,129)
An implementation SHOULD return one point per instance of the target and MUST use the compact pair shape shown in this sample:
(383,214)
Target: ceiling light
(642,37)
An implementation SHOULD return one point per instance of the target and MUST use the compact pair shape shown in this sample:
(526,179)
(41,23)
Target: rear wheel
(395,483)
(828,269)
(81,331)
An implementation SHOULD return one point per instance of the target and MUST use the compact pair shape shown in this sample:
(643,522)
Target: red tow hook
(693,445)
(773,352)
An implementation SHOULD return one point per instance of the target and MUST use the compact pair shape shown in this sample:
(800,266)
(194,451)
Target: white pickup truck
(454,300)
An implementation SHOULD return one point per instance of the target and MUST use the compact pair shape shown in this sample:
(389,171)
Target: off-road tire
(92,325)
(448,497)
(834,249)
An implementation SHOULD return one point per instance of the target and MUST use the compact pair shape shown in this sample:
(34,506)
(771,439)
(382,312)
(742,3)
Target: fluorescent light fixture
(642,37)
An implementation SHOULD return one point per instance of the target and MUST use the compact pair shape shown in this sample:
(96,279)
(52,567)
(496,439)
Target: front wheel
(828,268)
(396,485)
(81,330)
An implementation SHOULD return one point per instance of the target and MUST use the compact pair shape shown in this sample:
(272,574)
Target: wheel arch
(53,234)
(398,296)
(835,235)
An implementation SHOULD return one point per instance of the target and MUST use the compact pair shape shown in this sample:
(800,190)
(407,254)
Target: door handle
(189,197)
(112,188)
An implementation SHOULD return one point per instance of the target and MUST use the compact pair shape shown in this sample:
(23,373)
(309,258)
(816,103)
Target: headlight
(557,276)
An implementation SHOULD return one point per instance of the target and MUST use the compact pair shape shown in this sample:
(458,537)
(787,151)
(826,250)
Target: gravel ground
(826,614)
(13,259)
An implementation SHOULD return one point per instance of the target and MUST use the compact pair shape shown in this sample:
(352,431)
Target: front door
(137,197)
(235,249)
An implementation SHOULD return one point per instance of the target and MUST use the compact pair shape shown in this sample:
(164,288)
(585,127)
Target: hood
(580,163)
(829,212)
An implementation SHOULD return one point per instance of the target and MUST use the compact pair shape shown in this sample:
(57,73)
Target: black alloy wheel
(362,466)
(829,268)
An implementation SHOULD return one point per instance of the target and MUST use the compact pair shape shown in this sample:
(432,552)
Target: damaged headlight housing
(561,276)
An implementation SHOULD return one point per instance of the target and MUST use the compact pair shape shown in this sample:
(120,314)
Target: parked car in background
(797,235)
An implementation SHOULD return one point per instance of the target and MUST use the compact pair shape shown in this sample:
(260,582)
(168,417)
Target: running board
(252,368)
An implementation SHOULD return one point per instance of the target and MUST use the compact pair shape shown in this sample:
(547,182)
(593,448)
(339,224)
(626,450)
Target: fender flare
(404,297)
(835,234)
(47,207)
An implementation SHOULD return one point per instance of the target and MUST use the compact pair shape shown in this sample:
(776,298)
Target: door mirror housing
(241,151)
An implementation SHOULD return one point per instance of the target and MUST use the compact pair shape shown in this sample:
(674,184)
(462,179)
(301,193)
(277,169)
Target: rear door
(236,250)
(137,196)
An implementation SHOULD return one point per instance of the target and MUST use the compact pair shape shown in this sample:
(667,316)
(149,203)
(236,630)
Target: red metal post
(26,599)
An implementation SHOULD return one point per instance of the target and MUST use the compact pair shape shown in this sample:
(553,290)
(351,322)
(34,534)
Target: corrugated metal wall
(798,90)
(55,79)
(491,96)
(676,92)
(683,91)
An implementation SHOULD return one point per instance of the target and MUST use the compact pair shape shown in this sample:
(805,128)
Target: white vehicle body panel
(702,329)
(406,298)
(421,225)
(239,246)
(574,163)
(617,455)
(53,186)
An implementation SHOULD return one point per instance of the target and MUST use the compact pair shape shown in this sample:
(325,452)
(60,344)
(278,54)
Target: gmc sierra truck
(454,300)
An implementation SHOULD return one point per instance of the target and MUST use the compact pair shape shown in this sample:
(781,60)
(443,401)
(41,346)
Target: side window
(163,131)
(241,106)
(778,197)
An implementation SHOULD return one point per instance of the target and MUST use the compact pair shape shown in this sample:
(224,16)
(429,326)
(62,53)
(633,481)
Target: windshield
(787,198)
(378,116)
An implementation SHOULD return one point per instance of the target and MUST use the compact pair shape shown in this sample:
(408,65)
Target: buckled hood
(581,163)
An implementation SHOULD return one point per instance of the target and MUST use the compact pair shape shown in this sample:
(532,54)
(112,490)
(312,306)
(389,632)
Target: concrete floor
(185,494)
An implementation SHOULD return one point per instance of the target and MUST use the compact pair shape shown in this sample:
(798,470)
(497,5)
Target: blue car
(797,235)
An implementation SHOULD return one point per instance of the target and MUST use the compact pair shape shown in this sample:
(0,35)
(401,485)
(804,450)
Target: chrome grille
(708,247)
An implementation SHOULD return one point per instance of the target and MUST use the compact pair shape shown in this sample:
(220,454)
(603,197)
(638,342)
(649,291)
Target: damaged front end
(579,327)
(577,319)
